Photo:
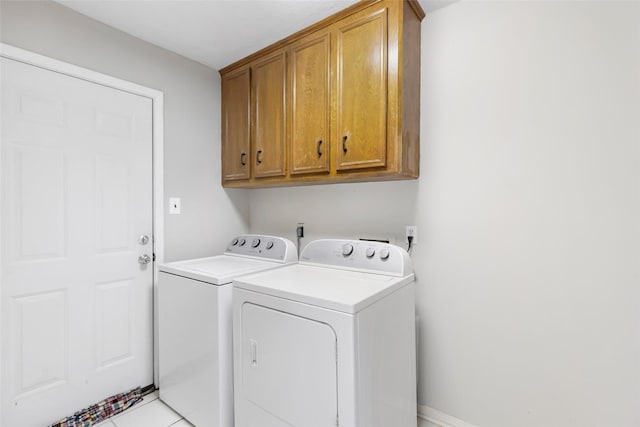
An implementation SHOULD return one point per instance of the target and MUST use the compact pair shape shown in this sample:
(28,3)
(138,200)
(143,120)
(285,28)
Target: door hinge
(154,257)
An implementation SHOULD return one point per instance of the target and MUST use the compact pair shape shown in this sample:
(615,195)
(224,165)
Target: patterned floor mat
(99,412)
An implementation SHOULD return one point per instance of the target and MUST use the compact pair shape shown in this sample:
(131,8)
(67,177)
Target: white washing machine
(329,341)
(195,326)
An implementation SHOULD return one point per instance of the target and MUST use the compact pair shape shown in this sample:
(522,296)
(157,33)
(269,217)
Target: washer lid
(341,290)
(217,270)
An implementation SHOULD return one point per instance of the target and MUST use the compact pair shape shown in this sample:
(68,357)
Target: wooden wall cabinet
(309,108)
(253,121)
(361,82)
(236,125)
(336,102)
(268,112)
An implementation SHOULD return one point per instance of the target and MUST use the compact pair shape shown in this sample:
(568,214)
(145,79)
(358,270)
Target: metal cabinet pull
(319,144)
(259,157)
(243,159)
(344,143)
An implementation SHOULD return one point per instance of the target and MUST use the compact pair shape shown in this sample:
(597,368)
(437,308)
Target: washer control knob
(242,242)
(384,254)
(235,242)
(370,252)
(269,244)
(347,249)
(255,243)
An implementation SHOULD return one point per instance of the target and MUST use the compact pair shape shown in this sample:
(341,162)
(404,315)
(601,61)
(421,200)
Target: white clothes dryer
(329,341)
(195,326)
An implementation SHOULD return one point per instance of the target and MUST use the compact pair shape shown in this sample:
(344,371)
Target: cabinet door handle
(319,144)
(344,143)
(243,159)
(259,157)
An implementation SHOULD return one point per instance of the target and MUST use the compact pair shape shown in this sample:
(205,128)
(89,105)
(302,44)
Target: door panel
(35,338)
(113,204)
(114,315)
(39,193)
(289,367)
(362,92)
(76,194)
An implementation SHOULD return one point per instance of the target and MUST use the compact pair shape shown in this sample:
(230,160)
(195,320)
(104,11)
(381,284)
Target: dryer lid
(335,289)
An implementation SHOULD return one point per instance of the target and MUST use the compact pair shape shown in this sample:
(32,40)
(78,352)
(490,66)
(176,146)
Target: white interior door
(76,195)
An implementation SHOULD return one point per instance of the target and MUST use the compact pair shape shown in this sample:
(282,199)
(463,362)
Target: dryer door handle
(253,345)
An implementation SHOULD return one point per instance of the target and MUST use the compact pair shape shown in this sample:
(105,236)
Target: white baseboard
(440,419)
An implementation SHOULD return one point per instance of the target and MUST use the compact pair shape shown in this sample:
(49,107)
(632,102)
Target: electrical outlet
(174,205)
(411,230)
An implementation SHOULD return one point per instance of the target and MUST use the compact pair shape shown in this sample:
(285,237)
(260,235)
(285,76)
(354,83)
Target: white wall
(211,216)
(528,213)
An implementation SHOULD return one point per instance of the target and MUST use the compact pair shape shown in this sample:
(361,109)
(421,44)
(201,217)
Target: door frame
(157,100)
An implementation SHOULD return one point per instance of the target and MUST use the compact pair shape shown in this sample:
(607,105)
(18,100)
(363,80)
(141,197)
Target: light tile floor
(151,412)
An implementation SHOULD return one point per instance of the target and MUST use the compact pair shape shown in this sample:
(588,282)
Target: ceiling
(215,33)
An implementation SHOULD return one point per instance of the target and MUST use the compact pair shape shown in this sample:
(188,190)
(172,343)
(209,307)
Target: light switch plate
(174,205)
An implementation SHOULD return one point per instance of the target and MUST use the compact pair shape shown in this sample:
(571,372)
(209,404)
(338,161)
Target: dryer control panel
(358,255)
(266,247)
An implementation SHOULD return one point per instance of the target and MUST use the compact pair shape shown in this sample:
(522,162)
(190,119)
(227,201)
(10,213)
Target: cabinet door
(362,92)
(236,124)
(310,85)
(268,81)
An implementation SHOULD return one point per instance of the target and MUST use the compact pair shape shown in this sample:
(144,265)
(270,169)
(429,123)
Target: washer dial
(347,249)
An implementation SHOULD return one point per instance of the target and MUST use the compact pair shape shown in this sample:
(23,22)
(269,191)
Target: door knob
(144,259)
